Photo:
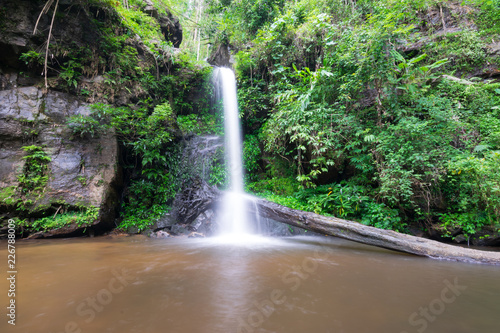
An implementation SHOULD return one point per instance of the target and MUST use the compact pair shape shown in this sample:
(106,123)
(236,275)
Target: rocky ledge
(81,173)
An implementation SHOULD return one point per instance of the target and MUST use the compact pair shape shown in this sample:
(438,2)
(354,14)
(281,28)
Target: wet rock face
(171,29)
(199,154)
(18,36)
(76,27)
(221,57)
(169,24)
(81,172)
(196,211)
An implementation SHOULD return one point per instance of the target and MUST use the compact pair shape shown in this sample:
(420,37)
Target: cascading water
(234,217)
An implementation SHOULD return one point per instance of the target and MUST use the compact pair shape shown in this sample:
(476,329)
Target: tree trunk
(373,236)
(199,197)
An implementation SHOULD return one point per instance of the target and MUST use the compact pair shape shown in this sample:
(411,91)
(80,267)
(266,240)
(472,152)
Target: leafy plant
(152,160)
(84,216)
(468,224)
(200,124)
(84,126)
(71,72)
(218,174)
(251,155)
(381,216)
(32,58)
(35,171)
(464,49)
(83,180)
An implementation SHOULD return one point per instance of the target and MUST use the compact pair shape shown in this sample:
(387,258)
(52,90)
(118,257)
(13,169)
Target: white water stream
(234,219)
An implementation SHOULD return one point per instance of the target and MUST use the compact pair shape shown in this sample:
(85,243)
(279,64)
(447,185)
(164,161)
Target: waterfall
(234,213)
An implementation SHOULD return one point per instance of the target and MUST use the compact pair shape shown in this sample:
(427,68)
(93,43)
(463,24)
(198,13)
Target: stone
(205,223)
(221,57)
(150,8)
(82,172)
(196,235)
(28,102)
(460,239)
(160,234)
(198,154)
(8,104)
(166,221)
(180,229)
(488,236)
(171,29)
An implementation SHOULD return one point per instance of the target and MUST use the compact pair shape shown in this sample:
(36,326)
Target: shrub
(35,172)
(85,216)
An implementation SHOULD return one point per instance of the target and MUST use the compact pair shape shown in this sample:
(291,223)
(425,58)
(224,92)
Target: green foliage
(35,171)
(189,124)
(153,138)
(380,216)
(218,174)
(287,201)
(474,184)
(251,156)
(200,124)
(410,77)
(152,160)
(70,73)
(84,216)
(488,17)
(147,202)
(8,196)
(143,25)
(278,186)
(464,49)
(32,58)
(341,93)
(467,223)
(240,20)
(345,200)
(254,14)
(83,180)
(84,126)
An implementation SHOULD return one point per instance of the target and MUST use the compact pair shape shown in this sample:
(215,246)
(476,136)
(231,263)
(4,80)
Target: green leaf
(418,59)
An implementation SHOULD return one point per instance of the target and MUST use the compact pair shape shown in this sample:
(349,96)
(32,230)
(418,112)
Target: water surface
(307,284)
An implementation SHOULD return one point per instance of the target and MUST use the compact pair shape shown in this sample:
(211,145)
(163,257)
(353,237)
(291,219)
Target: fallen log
(361,233)
(199,196)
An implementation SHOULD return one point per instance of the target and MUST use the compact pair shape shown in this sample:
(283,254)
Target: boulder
(221,56)
(82,172)
(171,29)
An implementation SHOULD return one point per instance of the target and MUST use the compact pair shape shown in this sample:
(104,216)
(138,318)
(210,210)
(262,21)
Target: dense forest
(382,112)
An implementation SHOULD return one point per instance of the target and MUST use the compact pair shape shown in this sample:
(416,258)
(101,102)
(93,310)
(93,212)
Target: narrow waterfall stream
(234,219)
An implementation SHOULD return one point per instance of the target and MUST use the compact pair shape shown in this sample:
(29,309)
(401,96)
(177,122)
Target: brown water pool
(305,284)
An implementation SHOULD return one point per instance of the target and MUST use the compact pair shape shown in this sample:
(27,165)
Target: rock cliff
(45,169)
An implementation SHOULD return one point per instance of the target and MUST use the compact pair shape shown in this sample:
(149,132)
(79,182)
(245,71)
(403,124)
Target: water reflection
(277,285)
